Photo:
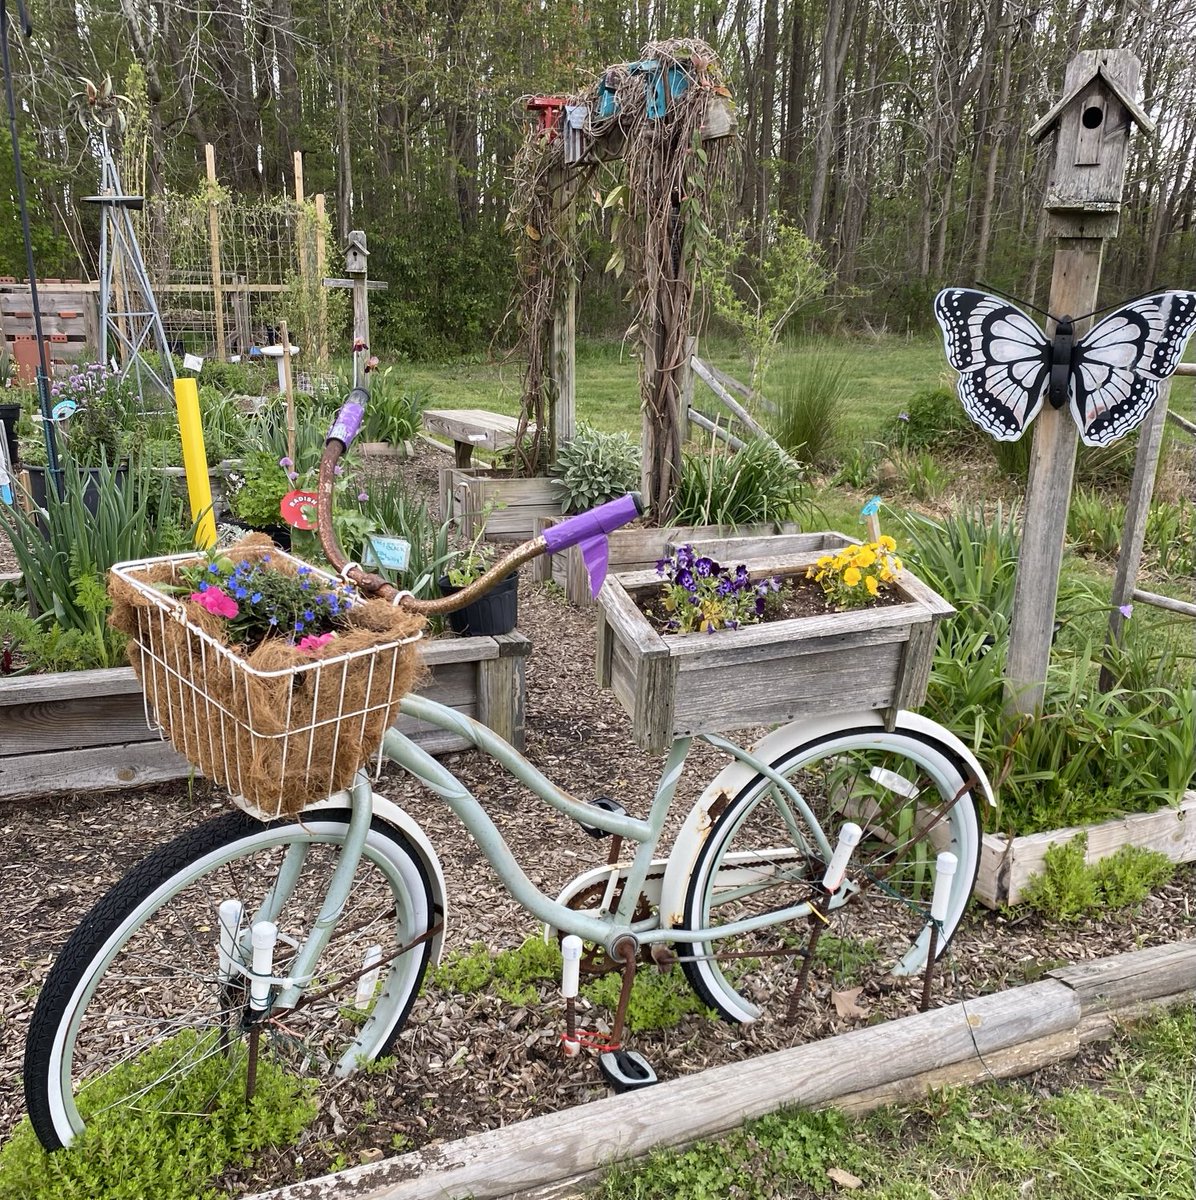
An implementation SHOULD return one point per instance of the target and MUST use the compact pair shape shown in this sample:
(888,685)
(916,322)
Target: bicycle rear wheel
(136,1013)
(913,798)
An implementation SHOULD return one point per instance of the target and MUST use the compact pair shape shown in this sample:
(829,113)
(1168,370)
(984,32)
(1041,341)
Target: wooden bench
(470,427)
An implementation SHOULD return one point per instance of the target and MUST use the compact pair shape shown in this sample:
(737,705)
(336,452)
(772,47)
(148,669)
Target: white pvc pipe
(945,866)
(571,969)
(849,839)
(230,933)
(369,980)
(264,938)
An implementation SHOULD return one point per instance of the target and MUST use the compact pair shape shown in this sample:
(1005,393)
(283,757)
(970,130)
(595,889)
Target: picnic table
(470,427)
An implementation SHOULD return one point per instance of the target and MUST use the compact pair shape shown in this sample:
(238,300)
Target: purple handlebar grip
(594,523)
(348,420)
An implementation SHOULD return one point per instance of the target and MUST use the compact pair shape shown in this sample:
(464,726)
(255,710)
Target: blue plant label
(871,508)
(63,409)
(390,552)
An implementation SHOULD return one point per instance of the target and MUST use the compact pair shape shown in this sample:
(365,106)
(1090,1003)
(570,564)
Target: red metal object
(549,111)
(295,507)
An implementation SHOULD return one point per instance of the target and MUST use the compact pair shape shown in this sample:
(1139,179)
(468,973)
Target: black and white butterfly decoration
(1111,375)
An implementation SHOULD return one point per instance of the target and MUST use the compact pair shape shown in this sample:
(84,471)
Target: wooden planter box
(1008,864)
(465,492)
(86,730)
(639,549)
(675,685)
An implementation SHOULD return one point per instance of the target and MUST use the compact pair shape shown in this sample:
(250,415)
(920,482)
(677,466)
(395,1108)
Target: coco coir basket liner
(277,727)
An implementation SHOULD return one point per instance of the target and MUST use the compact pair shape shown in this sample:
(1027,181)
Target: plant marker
(944,872)
(871,520)
(849,839)
(230,932)
(570,980)
(371,969)
(195,462)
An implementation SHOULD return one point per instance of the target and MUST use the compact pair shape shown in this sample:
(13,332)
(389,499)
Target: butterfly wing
(1120,363)
(1002,357)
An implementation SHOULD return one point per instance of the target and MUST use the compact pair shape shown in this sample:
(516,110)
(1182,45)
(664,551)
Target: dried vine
(670,179)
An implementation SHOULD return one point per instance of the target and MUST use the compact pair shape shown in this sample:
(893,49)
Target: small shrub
(857,468)
(658,1001)
(1069,887)
(595,467)
(921,475)
(752,485)
(1095,522)
(931,420)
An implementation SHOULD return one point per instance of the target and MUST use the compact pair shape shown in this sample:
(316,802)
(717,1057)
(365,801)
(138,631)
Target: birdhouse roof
(356,241)
(1042,127)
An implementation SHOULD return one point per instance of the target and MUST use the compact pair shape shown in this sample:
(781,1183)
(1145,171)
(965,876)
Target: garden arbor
(648,143)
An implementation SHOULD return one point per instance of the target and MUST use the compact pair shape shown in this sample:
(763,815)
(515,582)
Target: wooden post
(321,270)
(214,242)
(356,268)
(298,176)
(241,317)
(1092,126)
(288,382)
(563,370)
(687,389)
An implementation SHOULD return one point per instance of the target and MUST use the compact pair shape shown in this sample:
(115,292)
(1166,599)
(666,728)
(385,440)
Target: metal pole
(43,371)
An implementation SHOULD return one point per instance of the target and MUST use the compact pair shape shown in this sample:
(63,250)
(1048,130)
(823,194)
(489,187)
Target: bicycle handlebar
(570,532)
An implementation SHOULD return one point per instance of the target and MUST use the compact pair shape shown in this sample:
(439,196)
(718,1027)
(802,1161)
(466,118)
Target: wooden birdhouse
(1092,124)
(356,254)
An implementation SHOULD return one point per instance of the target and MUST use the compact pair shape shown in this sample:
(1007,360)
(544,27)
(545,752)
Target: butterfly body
(1110,377)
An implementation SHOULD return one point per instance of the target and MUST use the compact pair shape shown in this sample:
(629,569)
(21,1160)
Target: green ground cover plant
(1129,1136)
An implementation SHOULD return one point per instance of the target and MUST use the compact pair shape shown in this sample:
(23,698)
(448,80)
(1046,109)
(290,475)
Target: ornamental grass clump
(699,596)
(857,575)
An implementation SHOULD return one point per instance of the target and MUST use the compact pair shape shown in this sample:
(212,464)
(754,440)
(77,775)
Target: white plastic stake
(369,980)
(945,868)
(264,938)
(571,973)
(230,933)
(849,839)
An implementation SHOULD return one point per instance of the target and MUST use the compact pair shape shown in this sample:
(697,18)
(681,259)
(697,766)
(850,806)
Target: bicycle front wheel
(912,797)
(139,1012)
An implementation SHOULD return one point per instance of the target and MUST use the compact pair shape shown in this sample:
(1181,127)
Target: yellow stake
(195,462)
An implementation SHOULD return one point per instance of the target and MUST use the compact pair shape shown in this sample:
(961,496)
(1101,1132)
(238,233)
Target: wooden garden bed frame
(517,503)
(1001,1035)
(86,730)
(1008,864)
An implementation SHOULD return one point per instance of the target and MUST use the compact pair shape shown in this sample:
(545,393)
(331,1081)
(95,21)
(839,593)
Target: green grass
(1129,1138)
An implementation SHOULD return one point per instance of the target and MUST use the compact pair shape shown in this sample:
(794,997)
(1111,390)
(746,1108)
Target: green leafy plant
(698,595)
(595,467)
(394,411)
(932,419)
(392,510)
(103,424)
(659,1000)
(1069,886)
(257,488)
(921,474)
(751,485)
(175,1145)
(809,400)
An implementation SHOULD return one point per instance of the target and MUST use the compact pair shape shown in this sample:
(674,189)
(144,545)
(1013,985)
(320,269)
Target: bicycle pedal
(607,805)
(625,1070)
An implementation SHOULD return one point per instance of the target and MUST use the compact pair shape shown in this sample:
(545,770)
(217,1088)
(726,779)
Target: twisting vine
(664,197)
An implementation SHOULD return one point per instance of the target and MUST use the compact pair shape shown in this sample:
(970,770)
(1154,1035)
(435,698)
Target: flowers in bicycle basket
(857,575)
(260,603)
(699,595)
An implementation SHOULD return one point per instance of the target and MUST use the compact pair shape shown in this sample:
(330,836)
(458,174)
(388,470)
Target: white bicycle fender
(734,777)
(392,814)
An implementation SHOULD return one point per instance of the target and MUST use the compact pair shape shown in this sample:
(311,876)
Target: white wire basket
(278,740)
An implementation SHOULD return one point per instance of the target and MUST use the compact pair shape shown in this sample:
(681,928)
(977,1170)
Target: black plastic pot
(91,491)
(496,612)
(9,415)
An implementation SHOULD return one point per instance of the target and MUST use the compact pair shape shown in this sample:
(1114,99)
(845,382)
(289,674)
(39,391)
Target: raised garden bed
(466,491)
(86,730)
(676,685)
(1008,864)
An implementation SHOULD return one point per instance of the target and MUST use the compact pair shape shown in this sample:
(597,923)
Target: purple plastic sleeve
(594,523)
(348,421)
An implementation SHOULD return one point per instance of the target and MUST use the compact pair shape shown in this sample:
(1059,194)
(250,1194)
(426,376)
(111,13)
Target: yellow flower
(872,586)
(887,542)
(851,576)
(865,557)
(825,561)
(897,564)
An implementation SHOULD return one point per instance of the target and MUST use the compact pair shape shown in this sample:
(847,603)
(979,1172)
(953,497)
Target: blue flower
(241,593)
(686,579)
(255,597)
(274,620)
(203,587)
(304,571)
(741,573)
(305,585)
(759,606)
(704,567)
(298,626)
(213,568)
(308,615)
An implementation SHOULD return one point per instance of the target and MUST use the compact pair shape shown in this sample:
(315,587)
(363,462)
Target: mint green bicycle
(306,939)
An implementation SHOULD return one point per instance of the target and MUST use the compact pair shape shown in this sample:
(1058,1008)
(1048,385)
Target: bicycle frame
(603,930)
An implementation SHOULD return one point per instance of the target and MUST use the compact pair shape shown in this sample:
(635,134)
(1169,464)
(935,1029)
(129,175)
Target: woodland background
(892,131)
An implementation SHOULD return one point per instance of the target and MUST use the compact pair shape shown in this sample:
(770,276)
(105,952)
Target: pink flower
(358,345)
(371,363)
(314,643)
(216,601)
